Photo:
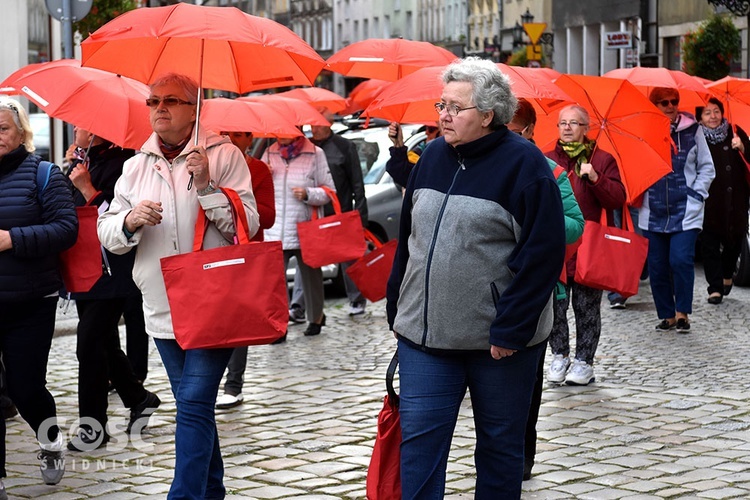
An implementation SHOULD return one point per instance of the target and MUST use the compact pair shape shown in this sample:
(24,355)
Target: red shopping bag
(610,258)
(228,296)
(370,273)
(81,264)
(384,473)
(333,239)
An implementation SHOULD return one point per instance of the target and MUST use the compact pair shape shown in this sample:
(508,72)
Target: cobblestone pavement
(668,417)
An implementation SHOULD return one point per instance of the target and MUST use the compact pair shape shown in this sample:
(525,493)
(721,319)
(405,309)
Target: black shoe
(9,411)
(715,299)
(88,440)
(665,325)
(727,289)
(683,326)
(279,340)
(527,470)
(143,411)
(618,303)
(314,328)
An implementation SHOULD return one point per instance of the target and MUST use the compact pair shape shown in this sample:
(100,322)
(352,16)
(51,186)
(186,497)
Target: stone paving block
(272,492)
(721,493)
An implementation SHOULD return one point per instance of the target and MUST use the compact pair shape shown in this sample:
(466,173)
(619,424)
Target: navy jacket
(39,232)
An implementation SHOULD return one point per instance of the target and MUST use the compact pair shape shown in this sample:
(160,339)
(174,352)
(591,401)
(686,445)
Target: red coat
(264,195)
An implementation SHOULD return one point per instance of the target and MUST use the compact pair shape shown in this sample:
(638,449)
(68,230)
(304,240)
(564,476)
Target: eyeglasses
(430,130)
(452,109)
(518,131)
(571,123)
(666,102)
(169,102)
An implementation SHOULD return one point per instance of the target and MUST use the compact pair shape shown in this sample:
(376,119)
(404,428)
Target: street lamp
(527,17)
(517,35)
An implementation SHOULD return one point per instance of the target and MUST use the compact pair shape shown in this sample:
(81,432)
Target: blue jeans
(194,375)
(671,267)
(432,388)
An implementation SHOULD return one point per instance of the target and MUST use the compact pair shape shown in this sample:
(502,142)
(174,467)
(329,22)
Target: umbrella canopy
(387,59)
(232,115)
(412,99)
(318,97)
(107,105)
(363,94)
(692,92)
(624,123)
(295,111)
(735,94)
(219,47)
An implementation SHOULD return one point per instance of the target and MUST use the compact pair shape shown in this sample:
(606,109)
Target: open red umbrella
(234,115)
(387,59)
(735,94)
(624,123)
(108,105)
(412,98)
(295,111)
(219,47)
(363,94)
(692,92)
(318,97)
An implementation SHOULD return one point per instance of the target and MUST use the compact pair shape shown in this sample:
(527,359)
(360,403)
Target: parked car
(40,124)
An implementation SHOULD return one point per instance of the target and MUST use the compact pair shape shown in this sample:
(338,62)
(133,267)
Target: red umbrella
(363,94)
(624,123)
(107,105)
(295,111)
(735,94)
(233,115)
(387,59)
(412,99)
(692,92)
(318,97)
(219,47)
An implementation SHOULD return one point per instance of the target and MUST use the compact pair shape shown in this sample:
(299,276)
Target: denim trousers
(26,330)
(194,375)
(432,388)
(671,265)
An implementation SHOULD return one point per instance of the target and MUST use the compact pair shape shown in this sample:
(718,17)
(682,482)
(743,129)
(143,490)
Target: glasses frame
(456,109)
(571,124)
(169,102)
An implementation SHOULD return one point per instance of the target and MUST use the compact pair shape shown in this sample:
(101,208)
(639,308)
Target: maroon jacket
(264,195)
(607,192)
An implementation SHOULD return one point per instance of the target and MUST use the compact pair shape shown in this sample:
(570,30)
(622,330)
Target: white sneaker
(228,401)
(581,373)
(356,308)
(558,368)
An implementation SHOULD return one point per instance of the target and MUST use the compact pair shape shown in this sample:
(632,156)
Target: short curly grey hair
(491,87)
(187,84)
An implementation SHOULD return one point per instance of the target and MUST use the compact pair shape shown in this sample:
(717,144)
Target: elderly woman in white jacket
(299,170)
(154,211)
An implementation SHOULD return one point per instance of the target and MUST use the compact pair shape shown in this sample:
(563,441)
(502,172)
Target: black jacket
(346,170)
(39,231)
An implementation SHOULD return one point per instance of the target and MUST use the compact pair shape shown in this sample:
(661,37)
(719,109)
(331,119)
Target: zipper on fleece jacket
(461,166)
(283,205)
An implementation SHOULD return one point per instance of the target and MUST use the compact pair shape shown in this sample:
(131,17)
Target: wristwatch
(208,189)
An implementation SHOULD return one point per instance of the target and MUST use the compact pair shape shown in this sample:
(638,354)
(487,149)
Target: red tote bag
(370,273)
(333,239)
(384,473)
(81,264)
(228,296)
(610,258)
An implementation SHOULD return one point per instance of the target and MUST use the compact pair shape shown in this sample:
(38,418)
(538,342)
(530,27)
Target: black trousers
(719,259)
(100,359)
(26,330)
(529,441)
(136,338)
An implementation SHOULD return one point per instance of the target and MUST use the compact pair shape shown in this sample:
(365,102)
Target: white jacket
(149,176)
(308,170)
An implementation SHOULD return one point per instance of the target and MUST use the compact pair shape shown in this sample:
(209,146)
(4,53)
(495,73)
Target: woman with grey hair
(481,245)
(37,222)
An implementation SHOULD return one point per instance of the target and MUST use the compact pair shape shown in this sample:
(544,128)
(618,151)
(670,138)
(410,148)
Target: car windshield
(373,146)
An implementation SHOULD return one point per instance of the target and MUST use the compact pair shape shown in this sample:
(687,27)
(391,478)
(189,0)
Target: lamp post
(527,17)
(517,35)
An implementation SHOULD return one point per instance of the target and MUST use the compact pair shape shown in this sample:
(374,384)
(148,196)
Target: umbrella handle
(197,109)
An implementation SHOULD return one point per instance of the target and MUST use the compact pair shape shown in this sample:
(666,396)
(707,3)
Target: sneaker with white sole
(52,466)
(580,373)
(226,401)
(357,308)
(296,314)
(558,368)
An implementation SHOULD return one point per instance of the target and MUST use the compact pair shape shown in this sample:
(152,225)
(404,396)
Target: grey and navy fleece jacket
(481,245)
(676,202)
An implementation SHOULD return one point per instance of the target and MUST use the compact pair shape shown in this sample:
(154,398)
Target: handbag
(81,264)
(329,240)
(229,296)
(384,473)
(370,272)
(610,258)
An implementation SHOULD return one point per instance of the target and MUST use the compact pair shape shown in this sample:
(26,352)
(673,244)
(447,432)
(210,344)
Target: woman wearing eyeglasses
(480,248)
(725,224)
(672,215)
(37,221)
(596,185)
(154,210)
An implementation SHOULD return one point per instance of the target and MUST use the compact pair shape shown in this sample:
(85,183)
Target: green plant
(708,51)
(103,11)
(518,58)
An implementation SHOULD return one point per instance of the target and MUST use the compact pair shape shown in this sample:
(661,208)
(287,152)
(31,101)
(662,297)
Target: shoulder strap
(43,172)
